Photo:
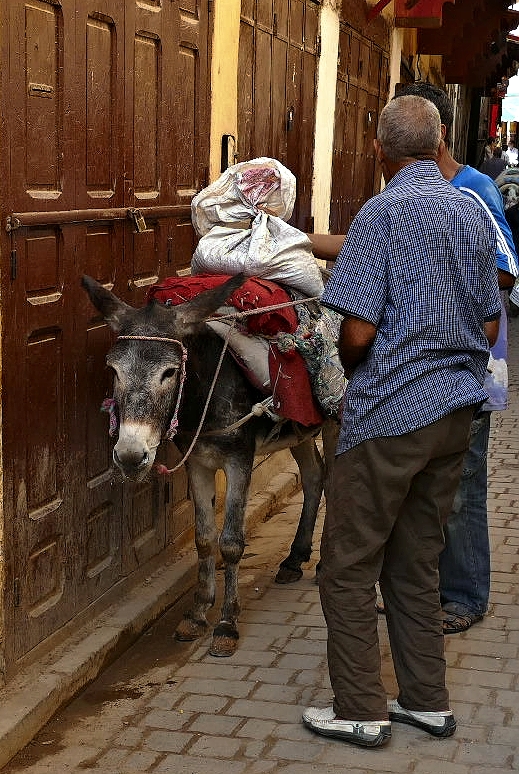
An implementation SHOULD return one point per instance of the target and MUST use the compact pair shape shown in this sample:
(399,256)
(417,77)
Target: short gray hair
(409,127)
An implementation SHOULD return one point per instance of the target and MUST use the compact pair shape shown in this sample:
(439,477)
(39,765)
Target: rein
(265,406)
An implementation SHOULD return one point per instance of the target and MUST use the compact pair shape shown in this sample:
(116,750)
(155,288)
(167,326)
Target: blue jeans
(465,561)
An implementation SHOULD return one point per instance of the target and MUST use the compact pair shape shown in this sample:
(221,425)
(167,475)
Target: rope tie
(261,310)
(109,406)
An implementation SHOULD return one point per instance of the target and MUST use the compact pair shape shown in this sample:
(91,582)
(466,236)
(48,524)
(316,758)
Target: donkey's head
(147,365)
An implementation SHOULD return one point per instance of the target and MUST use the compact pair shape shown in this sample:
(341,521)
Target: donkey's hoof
(288,575)
(225,640)
(189,630)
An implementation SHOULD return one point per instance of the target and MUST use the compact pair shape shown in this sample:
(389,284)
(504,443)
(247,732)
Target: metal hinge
(12,223)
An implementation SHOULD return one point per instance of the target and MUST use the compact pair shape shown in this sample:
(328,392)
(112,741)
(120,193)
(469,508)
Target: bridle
(265,406)
(109,404)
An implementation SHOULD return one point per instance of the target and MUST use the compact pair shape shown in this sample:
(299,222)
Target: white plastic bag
(241,192)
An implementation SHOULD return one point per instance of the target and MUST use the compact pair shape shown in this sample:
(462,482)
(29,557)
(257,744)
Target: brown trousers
(389,499)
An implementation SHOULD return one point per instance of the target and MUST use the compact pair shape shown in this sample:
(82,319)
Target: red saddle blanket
(289,379)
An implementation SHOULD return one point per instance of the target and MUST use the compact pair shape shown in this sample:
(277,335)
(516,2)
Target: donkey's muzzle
(132,464)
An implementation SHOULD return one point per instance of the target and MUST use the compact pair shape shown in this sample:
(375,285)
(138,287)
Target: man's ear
(443,130)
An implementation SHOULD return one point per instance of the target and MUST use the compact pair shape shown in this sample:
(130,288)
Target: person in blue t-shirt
(465,561)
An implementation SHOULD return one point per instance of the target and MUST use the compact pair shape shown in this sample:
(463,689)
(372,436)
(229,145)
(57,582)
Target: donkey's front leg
(232,544)
(202,485)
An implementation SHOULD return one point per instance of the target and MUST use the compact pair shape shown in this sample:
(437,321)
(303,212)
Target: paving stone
(173,719)
(258,729)
(496,754)
(296,661)
(216,687)
(168,741)
(274,675)
(214,724)
(294,751)
(430,766)
(266,692)
(227,671)
(186,764)
(481,678)
(219,746)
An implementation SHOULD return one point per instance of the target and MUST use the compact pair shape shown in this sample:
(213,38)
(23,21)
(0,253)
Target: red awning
(419,13)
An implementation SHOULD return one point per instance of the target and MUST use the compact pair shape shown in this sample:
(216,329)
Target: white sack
(235,197)
(257,243)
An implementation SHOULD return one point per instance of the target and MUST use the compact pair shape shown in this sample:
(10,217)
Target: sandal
(454,623)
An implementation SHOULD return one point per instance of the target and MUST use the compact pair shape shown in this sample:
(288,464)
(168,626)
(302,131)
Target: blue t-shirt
(482,189)
(428,287)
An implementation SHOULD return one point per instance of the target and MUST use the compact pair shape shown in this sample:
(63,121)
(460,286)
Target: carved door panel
(101,104)
(276,89)
(362,86)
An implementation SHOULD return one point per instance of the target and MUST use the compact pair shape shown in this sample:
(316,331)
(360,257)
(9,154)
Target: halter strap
(173,425)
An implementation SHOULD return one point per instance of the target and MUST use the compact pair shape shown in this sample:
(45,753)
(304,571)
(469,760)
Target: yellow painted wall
(325,104)
(224,79)
(324,118)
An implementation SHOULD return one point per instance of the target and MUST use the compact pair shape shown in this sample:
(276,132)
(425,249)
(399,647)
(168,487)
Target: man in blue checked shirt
(465,561)
(416,282)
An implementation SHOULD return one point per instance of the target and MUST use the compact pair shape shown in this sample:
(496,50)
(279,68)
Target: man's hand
(505,279)
(492,331)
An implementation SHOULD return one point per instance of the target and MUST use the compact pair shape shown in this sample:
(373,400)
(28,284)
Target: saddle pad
(289,378)
(255,293)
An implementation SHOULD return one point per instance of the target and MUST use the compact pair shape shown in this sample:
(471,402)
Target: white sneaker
(367,733)
(435,723)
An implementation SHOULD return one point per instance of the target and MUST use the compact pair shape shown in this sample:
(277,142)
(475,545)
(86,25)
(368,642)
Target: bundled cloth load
(288,350)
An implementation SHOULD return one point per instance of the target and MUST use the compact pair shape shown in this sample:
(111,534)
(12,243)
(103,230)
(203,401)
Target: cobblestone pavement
(167,707)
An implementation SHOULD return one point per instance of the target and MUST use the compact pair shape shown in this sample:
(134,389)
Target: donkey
(152,384)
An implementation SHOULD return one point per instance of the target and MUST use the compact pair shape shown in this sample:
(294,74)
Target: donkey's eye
(112,372)
(168,374)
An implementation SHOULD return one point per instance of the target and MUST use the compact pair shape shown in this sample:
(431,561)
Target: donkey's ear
(111,307)
(205,304)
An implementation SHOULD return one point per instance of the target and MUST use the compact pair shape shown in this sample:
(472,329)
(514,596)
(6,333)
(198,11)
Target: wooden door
(362,88)
(102,106)
(276,89)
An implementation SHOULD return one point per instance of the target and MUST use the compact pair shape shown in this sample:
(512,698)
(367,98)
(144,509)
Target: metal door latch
(12,223)
(138,219)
